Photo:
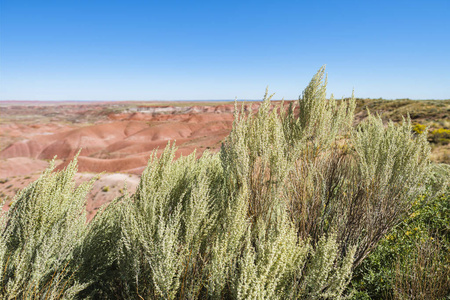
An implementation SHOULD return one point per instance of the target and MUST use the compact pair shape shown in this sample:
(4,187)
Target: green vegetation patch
(296,200)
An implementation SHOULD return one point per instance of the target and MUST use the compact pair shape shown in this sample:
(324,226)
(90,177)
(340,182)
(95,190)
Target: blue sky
(169,50)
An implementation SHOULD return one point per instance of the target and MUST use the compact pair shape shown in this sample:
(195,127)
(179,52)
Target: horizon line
(214,100)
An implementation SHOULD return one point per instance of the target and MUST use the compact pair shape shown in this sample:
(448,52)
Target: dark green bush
(425,233)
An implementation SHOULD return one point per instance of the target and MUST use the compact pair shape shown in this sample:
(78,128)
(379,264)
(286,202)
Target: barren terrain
(114,138)
(117,138)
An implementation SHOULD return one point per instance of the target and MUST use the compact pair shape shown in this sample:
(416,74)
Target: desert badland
(116,139)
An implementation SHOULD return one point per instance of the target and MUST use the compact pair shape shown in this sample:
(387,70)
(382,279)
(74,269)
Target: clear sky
(167,50)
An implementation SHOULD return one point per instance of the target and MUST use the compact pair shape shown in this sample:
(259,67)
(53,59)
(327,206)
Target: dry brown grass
(424,275)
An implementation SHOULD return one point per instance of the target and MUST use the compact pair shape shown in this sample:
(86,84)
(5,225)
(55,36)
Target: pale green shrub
(280,212)
(393,165)
(327,275)
(261,158)
(271,263)
(39,233)
(169,224)
(320,121)
(98,256)
(359,182)
(293,201)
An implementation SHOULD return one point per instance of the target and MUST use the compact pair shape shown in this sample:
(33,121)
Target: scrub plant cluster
(294,201)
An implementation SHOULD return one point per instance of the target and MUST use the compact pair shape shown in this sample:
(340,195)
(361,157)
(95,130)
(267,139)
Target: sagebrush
(295,199)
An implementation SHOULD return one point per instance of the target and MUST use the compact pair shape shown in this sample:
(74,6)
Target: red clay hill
(114,137)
